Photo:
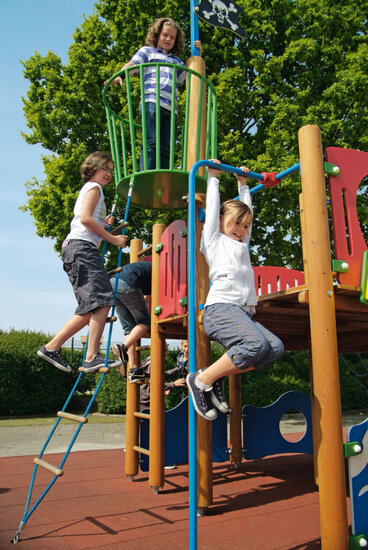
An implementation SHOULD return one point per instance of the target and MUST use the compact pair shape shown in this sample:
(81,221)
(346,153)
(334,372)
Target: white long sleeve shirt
(229,264)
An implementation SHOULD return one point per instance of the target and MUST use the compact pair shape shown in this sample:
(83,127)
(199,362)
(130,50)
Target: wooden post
(203,351)
(132,399)
(157,378)
(313,408)
(327,407)
(196,64)
(235,419)
(203,359)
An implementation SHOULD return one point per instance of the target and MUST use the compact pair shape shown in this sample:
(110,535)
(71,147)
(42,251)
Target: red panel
(272,279)
(173,270)
(349,244)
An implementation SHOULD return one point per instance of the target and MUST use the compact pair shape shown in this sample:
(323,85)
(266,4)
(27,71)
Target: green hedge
(291,372)
(111,398)
(30,385)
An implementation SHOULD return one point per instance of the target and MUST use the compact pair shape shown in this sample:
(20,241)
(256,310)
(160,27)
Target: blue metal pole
(279,177)
(194,30)
(192,339)
(192,358)
(288,171)
(192,314)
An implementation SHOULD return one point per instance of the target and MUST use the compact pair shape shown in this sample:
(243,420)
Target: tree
(301,62)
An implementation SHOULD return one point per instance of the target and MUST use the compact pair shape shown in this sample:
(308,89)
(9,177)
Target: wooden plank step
(146,416)
(111,319)
(114,271)
(102,369)
(141,450)
(74,417)
(50,467)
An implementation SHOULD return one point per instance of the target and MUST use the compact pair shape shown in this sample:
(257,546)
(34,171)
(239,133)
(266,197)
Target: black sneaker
(55,358)
(98,362)
(217,396)
(201,399)
(136,375)
(120,352)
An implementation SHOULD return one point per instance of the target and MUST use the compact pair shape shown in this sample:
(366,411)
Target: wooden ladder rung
(111,319)
(114,271)
(50,467)
(141,450)
(145,250)
(102,369)
(74,417)
(142,348)
(142,415)
(119,228)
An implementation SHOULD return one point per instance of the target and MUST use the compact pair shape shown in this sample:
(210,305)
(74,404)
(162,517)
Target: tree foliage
(301,62)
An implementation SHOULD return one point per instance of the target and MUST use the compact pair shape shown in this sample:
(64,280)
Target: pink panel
(349,243)
(272,279)
(173,270)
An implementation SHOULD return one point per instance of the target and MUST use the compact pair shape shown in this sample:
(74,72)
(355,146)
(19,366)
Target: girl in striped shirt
(164,42)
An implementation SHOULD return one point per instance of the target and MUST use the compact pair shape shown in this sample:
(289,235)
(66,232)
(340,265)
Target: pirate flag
(221,13)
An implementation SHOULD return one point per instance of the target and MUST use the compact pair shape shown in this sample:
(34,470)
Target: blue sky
(35,292)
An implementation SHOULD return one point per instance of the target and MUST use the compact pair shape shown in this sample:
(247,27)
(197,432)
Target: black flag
(221,13)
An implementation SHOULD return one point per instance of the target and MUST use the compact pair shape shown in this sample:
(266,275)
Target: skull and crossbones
(222,12)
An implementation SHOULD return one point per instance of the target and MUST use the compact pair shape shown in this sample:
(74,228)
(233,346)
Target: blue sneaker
(55,358)
(217,396)
(201,399)
(98,362)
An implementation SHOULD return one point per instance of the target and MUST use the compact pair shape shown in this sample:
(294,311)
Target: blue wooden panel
(176,437)
(358,479)
(261,432)
(219,438)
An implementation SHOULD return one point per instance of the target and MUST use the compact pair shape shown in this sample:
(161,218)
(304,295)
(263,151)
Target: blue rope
(27,514)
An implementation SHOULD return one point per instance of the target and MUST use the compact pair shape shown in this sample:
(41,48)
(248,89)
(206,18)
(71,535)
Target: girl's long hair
(154,32)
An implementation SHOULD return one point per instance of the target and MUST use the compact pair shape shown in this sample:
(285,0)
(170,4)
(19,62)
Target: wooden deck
(286,313)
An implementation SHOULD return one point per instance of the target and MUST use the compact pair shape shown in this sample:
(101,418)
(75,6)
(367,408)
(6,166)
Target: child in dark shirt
(131,308)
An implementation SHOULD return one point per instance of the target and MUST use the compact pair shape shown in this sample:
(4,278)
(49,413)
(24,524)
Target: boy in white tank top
(84,266)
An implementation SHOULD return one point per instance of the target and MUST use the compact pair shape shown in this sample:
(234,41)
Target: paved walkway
(28,440)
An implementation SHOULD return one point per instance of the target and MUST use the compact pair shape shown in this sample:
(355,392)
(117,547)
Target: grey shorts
(131,307)
(84,266)
(248,342)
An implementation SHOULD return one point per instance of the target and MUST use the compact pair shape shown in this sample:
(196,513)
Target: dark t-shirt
(138,275)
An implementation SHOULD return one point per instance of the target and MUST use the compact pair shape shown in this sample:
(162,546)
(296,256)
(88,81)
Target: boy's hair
(92,163)
(235,210)
(154,32)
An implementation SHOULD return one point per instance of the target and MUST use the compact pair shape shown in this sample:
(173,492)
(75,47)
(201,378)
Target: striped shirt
(147,54)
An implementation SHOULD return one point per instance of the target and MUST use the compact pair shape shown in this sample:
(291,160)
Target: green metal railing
(127,129)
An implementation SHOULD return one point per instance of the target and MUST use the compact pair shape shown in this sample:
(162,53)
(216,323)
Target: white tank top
(77,229)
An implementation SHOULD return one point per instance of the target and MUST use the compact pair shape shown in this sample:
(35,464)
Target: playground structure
(307,311)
